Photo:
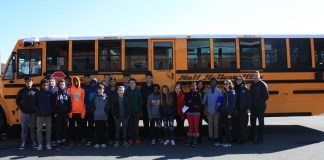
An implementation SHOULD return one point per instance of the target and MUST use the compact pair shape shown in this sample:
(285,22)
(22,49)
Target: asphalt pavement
(285,138)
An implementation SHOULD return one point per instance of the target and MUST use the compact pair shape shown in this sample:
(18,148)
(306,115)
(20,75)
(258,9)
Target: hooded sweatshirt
(26,99)
(44,103)
(101,107)
(77,99)
(90,93)
(62,102)
(153,105)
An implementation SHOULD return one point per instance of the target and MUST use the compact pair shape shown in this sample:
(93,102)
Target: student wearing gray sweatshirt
(154,113)
(101,107)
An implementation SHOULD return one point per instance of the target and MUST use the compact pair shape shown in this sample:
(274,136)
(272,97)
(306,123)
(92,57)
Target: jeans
(124,123)
(155,128)
(193,120)
(168,123)
(133,126)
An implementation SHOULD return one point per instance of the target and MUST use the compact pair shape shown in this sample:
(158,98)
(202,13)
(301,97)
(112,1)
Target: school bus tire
(3,121)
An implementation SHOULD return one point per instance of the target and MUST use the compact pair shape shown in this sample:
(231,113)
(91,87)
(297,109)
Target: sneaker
(166,142)
(226,145)
(22,146)
(137,141)
(40,147)
(58,146)
(35,145)
(48,147)
(217,144)
(172,142)
(130,141)
(116,145)
(88,143)
(153,141)
(96,146)
(103,146)
(125,144)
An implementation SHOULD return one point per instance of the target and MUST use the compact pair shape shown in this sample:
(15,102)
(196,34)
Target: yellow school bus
(291,65)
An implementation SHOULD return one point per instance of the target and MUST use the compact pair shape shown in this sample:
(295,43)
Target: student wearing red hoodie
(78,110)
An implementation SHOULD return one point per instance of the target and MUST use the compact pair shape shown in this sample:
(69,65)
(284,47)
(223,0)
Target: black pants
(146,122)
(100,131)
(257,114)
(179,132)
(133,127)
(111,126)
(89,126)
(224,128)
(239,125)
(155,128)
(76,127)
(61,126)
(124,123)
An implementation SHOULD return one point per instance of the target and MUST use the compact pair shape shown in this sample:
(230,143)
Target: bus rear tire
(3,121)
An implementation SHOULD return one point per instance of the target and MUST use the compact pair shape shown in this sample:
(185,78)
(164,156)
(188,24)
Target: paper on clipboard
(184,109)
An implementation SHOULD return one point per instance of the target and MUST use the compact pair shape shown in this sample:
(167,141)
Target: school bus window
(83,55)
(9,74)
(163,55)
(109,55)
(29,62)
(250,52)
(319,52)
(198,54)
(224,53)
(300,53)
(57,55)
(275,52)
(136,54)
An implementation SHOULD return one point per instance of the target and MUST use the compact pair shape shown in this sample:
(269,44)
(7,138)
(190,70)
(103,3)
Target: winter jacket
(62,102)
(146,91)
(243,98)
(115,107)
(229,99)
(210,100)
(259,94)
(192,100)
(179,103)
(26,100)
(77,99)
(101,107)
(111,94)
(135,100)
(167,109)
(44,105)
(154,105)
(90,93)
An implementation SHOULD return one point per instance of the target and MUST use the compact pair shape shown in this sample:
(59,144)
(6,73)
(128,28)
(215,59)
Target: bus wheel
(3,121)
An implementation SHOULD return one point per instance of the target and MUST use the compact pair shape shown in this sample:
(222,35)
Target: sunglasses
(226,84)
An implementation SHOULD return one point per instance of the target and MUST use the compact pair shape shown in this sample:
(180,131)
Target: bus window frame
(41,66)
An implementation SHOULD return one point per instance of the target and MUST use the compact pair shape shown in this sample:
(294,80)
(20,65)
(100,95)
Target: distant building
(2,66)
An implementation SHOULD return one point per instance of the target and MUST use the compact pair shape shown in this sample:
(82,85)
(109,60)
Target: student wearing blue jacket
(43,110)
(228,104)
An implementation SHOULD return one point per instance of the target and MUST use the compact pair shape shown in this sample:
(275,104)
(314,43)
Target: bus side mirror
(13,63)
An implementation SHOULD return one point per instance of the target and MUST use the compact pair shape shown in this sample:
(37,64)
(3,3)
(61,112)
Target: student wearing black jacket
(260,95)
(121,107)
(43,110)
(62,107)
(146,90)
(26,101)
(241,111)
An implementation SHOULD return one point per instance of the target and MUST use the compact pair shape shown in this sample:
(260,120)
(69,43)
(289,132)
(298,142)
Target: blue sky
(20,19)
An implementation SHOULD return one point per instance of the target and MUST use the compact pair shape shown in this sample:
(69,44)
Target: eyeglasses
(238,79)
(226,84)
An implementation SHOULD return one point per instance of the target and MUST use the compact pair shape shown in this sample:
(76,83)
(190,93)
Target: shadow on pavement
(277,138)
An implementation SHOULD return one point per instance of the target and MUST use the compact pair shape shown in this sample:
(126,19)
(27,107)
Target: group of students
(94,112)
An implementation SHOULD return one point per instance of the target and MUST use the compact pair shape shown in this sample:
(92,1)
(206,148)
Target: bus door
(163,62)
